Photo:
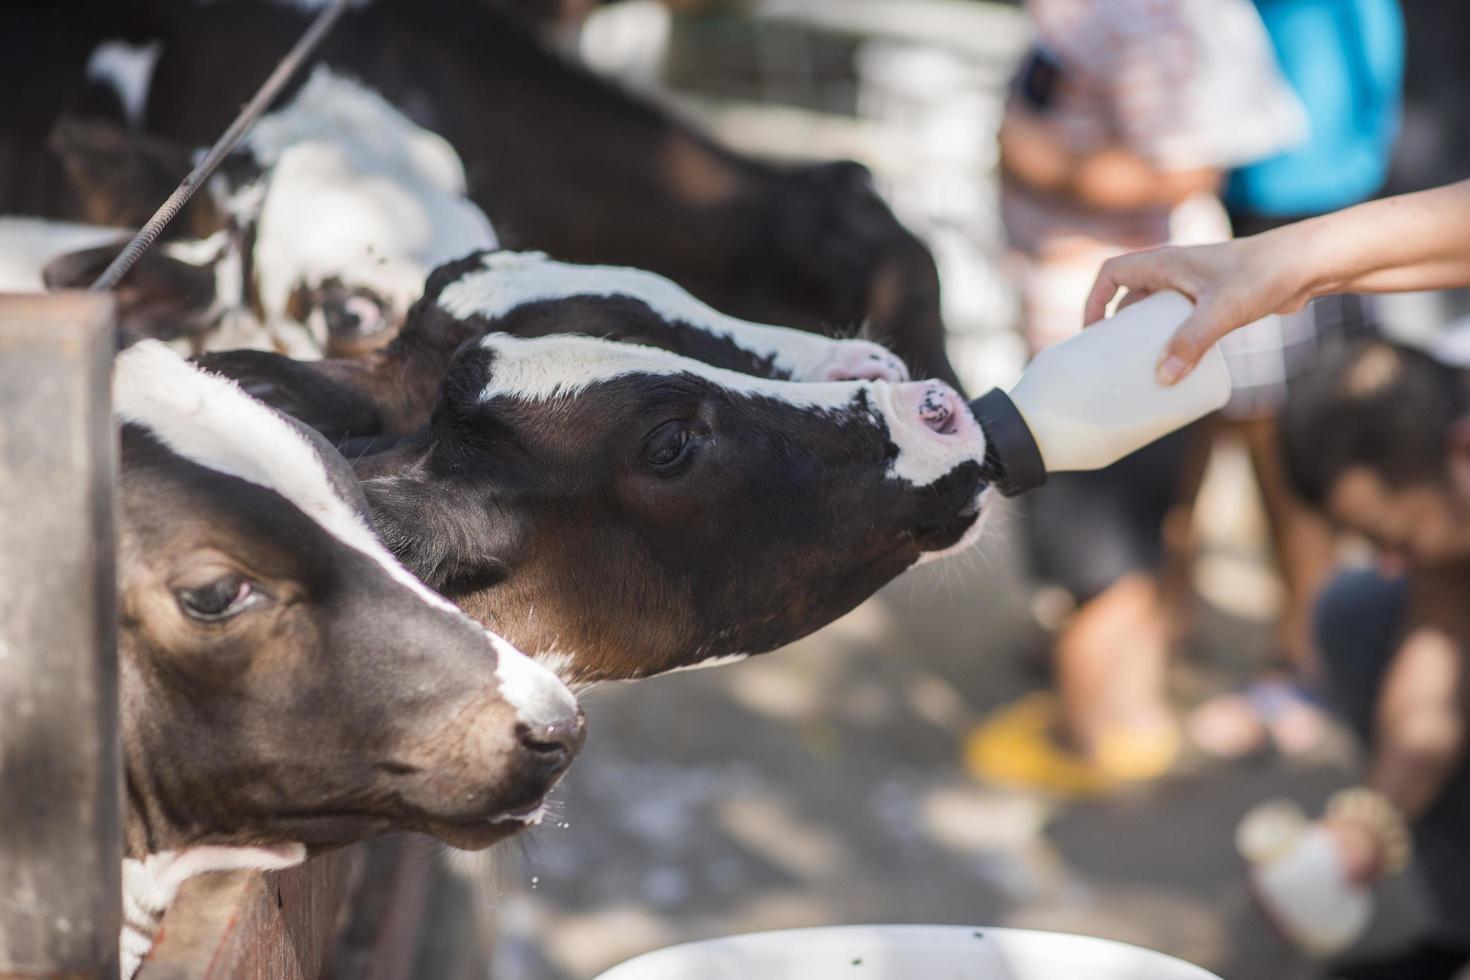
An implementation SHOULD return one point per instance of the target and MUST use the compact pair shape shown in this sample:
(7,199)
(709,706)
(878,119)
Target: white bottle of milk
(1092,399)
(1299,880)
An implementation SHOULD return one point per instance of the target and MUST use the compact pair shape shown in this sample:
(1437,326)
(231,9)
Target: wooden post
(60,837)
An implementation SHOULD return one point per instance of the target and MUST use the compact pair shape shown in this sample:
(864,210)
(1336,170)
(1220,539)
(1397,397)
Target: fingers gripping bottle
(1092,399)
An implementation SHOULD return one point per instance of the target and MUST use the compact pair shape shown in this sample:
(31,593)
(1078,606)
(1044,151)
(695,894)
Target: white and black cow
(335,210)
(527,294)
(285,685)
(622,511)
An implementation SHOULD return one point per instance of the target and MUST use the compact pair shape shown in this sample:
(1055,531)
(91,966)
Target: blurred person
(1378,439)
(1344,60)
(1121,123)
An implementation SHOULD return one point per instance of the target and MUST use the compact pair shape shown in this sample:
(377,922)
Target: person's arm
(1112,178)
(1421,709)
(1411,242)
(1420,724)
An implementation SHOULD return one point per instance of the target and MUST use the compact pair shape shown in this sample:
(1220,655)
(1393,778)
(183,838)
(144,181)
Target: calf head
(530,295)
(283,680)
(626,511)
(356,206)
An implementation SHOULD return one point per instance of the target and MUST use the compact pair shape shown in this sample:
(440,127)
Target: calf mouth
(961,532)
(476,835)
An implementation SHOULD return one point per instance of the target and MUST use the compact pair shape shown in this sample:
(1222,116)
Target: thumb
(1185,348)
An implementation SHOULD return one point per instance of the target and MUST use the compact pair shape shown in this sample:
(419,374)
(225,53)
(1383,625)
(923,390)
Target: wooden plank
(244,925)
(388,905)
(60,858)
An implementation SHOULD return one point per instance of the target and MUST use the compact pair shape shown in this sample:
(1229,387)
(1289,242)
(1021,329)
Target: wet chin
(475,835)
(957,538)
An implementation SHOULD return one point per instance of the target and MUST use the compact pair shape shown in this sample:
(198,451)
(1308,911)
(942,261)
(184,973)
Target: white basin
(903,952)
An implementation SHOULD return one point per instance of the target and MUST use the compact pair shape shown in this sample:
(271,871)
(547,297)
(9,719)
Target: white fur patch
(208,419)
(543,368)
(513,279)
(128,68)
(150,884)
(356,191)
(539,698)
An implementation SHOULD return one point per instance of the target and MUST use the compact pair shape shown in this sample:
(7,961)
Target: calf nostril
(937,411)
(554,744)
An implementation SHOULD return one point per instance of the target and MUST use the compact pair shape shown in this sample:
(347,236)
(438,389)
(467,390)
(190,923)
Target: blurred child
(1122,121)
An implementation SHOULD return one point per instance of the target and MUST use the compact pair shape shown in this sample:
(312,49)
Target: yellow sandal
(1015,747)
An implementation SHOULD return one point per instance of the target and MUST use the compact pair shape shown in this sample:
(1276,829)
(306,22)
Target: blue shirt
(1345,60)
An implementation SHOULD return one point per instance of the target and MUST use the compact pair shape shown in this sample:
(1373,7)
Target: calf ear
(121,176)
(321,394)
(455,542)
(161,297)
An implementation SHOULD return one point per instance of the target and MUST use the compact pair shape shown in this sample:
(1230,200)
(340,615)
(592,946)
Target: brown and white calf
(285,685)
(620,511)
(390,391)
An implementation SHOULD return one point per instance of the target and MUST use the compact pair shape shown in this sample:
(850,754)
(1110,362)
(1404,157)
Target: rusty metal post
(60,837)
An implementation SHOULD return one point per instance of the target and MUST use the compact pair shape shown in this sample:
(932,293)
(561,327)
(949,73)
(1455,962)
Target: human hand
(1359,847)
(1231,284)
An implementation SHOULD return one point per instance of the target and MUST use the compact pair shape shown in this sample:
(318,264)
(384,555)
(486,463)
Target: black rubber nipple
(1012,459)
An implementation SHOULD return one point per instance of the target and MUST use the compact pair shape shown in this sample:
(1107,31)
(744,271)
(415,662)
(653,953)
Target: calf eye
(218,600)
(667,446)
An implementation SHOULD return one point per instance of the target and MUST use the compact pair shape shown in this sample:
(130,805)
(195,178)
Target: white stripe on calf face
(209,420)
(544,368)
(539,698)
(514,279)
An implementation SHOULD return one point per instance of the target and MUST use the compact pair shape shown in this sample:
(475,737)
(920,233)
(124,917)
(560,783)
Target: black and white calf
(334,212)
(620,511)
(527,294)
(563,161)
(286,686)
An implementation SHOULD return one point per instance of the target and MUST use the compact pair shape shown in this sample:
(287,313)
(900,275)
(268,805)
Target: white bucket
(893,952)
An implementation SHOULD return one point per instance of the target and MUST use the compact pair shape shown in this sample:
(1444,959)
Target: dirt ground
(823,784)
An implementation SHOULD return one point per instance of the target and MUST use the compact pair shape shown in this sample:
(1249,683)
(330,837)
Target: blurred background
(836,781)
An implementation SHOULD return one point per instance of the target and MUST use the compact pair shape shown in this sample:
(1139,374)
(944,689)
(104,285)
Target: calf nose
(940,408)
(553,744)
(857,360)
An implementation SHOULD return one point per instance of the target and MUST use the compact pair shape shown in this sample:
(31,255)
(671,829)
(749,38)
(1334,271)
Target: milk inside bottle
(1092,399)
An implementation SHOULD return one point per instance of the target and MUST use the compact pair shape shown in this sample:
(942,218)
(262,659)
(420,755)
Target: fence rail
(59,774)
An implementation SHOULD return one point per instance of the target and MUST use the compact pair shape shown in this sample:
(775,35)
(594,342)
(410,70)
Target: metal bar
(261,101)
(60,837)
